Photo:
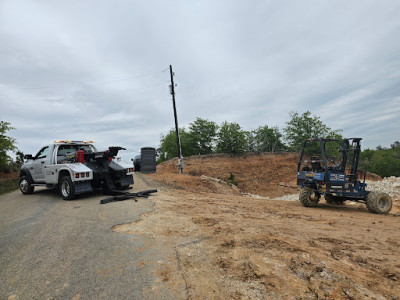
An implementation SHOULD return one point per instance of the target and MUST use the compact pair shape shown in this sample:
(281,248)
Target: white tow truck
(75,167)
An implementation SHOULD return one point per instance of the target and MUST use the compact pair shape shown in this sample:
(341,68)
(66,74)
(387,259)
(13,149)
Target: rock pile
(389,185)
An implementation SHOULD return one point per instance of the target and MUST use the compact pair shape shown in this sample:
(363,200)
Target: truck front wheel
(25,185)
(67,188)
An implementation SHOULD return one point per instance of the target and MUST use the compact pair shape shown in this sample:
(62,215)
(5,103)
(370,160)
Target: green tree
(251,141)
(202,134)
(302,127)
(6,144)
(168,146)
(384,162)
(19,159)
(231,138)
(268,139)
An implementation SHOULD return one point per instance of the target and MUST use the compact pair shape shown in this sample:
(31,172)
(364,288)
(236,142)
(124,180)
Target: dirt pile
(389,185)
(235,247)
(251,173)
(233,239)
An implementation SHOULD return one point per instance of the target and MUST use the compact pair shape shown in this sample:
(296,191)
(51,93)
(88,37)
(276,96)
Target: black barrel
(148,160)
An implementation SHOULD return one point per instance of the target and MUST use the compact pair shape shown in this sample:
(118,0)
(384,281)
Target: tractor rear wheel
(335,200)
(379,203)
(308,197)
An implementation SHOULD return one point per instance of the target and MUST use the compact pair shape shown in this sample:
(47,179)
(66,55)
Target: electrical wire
(61,99)
(83,83)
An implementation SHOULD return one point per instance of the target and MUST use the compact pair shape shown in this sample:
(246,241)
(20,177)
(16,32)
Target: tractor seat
(316,164)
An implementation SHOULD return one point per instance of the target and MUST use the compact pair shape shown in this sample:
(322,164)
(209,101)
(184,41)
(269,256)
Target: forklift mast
(356,148)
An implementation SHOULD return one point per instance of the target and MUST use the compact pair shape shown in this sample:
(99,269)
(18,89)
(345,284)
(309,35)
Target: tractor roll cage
(345,149)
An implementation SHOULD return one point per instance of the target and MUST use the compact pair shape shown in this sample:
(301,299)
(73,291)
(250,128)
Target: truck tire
(67,188)
(379,203)
(25,185)
(308,197)
(335,200)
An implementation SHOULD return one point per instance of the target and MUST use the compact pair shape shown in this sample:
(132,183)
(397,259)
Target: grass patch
(9,185)
(232,179)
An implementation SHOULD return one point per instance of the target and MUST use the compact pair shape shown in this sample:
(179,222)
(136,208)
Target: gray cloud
(93,69)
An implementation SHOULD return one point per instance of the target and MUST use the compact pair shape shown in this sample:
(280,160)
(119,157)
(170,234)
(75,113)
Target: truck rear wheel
(25,185)
(379,203)
(67,188)
(308,197)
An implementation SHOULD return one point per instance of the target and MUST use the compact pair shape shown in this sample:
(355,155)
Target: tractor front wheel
(308,197)
(379,203)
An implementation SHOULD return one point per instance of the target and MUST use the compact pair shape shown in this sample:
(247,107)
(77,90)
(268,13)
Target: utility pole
(178,140)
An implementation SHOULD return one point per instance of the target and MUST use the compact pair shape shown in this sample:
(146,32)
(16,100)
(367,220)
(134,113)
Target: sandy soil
(224,245)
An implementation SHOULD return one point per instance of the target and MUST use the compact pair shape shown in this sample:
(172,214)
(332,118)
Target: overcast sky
(98,69)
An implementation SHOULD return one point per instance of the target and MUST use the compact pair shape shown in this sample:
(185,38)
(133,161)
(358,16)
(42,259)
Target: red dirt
(262,174)
(7,176)
(226,246)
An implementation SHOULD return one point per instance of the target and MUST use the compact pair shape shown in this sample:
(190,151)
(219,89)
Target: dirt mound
(235,247)
(252,173)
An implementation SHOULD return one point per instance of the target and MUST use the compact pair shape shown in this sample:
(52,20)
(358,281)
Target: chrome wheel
(24,185)
(65,189)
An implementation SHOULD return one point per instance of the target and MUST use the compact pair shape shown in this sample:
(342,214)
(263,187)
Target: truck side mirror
(28,156)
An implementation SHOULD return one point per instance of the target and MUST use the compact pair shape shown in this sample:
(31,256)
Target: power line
(85,83)
(61,99)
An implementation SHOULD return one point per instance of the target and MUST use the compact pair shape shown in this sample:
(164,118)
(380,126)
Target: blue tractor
(320,173)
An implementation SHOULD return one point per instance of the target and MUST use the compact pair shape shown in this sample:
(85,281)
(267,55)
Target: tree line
(206,137)
(382,161)
(7,144)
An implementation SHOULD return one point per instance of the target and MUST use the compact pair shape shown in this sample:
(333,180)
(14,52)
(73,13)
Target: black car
(136,162)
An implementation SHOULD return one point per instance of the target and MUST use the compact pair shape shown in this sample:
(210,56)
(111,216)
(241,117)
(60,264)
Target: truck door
(38,165)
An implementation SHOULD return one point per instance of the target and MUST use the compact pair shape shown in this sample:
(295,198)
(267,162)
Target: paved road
(56,249)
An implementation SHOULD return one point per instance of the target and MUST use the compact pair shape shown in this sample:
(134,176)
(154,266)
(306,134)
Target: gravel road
(56,249)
